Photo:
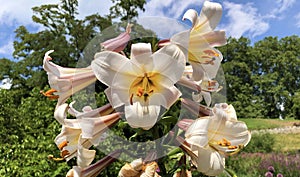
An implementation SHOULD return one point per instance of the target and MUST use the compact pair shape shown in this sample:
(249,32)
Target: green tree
(63,32)
(126,9)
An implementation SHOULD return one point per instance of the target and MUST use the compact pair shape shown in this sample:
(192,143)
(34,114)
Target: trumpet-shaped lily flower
(87,111)
(203,88)
(67,81)
(143,83)
(85,132)
(118,43)
(216,136)
(203,57)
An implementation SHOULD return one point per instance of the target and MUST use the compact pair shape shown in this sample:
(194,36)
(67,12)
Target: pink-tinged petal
(141,116)
(85,156)
(195,108)
(94,126)
(196,135)
(118,43)
(163,43)
(101,111)
(210,162)
(189,84)
(67,81)
(215,38)
(63,72)
(184,124)
(166,97)
(191,15)
(209,17)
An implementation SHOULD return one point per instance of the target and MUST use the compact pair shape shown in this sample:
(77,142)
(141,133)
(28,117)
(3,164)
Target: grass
(286,142)
(258,124)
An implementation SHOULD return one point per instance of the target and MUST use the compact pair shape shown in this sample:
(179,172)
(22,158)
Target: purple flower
(269,174)
(279,175)
(271,169)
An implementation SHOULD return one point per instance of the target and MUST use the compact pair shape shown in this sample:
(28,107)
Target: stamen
(140,91)
(62,145)
(224,142)
(51,157)
(50,94)
(130,99)
(64,153)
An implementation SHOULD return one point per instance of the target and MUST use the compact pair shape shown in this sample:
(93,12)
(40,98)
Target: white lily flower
(66,81)
(83,132)
(203,57)
(143,83)
(203,87)
(211,138)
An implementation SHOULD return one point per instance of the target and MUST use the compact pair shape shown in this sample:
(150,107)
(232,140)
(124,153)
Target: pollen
(64,153)
(62,145)
(224,142)
(140,91)
(232,147)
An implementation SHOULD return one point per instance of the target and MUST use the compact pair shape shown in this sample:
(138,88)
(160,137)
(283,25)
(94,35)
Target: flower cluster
(140,88)
(271,172)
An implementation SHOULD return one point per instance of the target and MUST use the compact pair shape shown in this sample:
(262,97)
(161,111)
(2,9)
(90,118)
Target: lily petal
(191,15)
(196,134)
(60,114)
(96,168)
(106,65)
(67,81)
(143,116)
(209,17)
(118,43)
(85,156)
(210,162)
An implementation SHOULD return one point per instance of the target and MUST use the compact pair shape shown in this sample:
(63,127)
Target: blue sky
(253,19)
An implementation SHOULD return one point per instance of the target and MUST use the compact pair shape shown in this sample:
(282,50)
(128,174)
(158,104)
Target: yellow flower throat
(143,87)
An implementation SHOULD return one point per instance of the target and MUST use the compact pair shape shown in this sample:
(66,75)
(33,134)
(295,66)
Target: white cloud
(14,13)
(90,7)
(5,84)
(244,19)
(297,17)
(7,49)
(169,8)
(283,5)
(163,27)
(20,12)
